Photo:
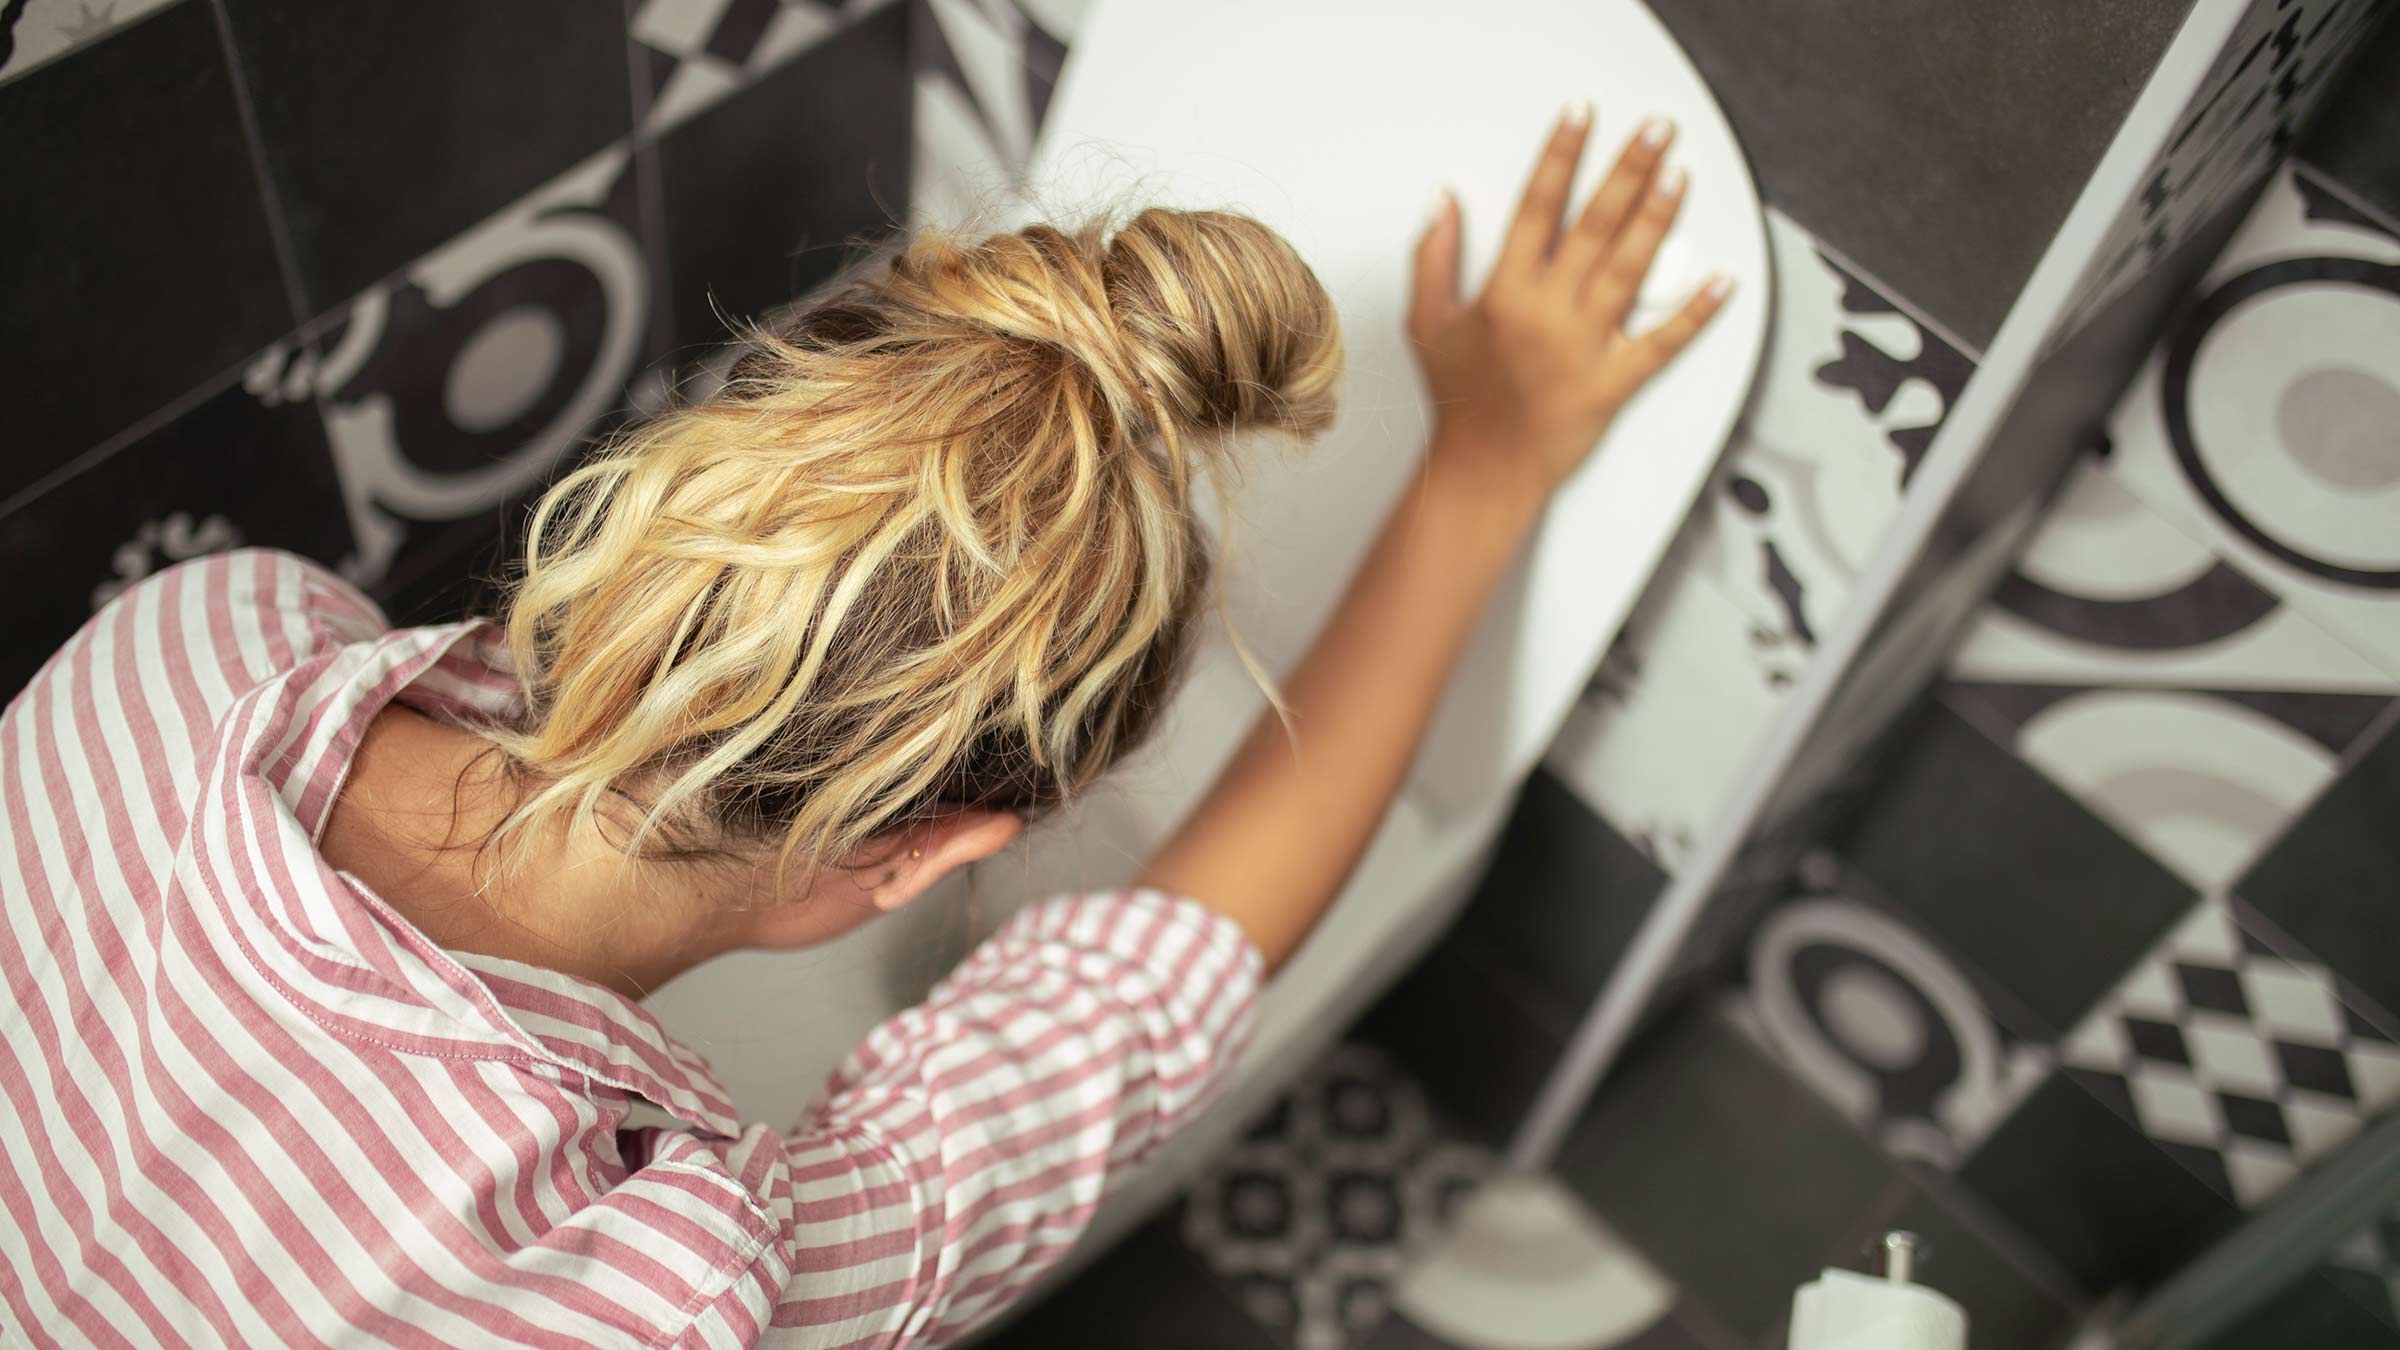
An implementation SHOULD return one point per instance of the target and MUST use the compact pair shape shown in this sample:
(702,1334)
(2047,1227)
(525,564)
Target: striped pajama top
(247,1103)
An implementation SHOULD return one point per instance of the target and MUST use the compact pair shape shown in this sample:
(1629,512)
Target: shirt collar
(465,669)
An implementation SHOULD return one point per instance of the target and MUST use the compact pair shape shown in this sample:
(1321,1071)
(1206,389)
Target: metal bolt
(1903,1252)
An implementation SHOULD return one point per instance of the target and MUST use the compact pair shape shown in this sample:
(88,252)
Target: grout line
(2349,196)
(279,233)
(1889,292)
(139,428)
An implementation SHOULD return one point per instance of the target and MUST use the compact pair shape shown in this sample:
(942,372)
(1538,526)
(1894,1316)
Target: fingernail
(1579,111)
(1719,286)
(1654,131)
(1440,206)
(1671,183)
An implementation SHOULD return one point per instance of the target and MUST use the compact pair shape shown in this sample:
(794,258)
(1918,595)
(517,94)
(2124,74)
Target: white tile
(2257,1171)
(2227,1053)
(2102,546)
(2293,1003)
(2293,397)
(2174,1108)
(2202,783)
(1681,703)
(1823,478)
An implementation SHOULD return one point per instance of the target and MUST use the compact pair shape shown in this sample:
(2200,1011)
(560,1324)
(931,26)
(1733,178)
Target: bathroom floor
(1297,1237)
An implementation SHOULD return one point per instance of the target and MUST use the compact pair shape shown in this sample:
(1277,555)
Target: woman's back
(268,1112)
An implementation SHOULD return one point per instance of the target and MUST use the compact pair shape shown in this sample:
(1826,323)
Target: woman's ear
(928,851)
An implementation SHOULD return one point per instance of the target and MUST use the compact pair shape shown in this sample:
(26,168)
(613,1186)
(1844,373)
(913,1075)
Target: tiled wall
(357,280)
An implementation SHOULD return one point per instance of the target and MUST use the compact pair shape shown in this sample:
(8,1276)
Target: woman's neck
(408,820)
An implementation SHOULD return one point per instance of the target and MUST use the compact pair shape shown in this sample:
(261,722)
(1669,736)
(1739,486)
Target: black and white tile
(985,71)
(1849,393)
(2264,424)
(2160,685)
(460,383)
(2249,1062)
(1310,1218)
(34,32)
(2274,70)
(1885,1026)
(696,53)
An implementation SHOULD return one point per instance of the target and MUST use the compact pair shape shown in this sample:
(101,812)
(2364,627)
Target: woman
(324,940)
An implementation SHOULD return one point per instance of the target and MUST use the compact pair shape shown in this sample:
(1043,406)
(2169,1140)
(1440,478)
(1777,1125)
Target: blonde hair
(933,544)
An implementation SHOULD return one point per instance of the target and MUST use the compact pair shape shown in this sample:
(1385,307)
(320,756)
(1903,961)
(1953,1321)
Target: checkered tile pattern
(702,50)
(2247,1066)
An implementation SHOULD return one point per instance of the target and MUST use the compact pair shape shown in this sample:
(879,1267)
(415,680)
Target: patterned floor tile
(700,51)
(1310,1218)
(1848,396)
(457,384)
(2220,1045)
(1885,1026)
(2188,706)
(1673,712)
(2263,425)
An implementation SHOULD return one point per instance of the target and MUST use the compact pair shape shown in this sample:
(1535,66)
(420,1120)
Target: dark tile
(1721,1168)
(1150,1290)
(458,387)
(1894,135)
(2333,881)
(232,471)
(2320,1311)
(2008,1307)
(2089,1190)
(765,190)
(1563,895)
(390,128)
(1466,1030)
(2017,878)
(2352,138)
(139,265)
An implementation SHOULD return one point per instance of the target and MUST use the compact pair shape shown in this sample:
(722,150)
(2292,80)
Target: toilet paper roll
(1844,1310)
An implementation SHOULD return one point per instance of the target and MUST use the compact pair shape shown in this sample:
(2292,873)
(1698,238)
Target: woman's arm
(1525,379)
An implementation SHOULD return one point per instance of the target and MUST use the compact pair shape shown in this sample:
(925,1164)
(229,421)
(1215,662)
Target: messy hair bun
(933,543)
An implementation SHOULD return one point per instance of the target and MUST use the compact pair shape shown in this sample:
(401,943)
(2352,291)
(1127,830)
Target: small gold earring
(916,853)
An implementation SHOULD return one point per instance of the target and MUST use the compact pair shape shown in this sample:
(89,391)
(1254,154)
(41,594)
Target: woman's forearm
(1280,831)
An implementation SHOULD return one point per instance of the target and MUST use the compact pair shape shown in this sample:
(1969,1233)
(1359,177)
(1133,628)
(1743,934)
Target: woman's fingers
(1604,215)
(1650,352)
(1434,297)
(1618,279)
(1545,199)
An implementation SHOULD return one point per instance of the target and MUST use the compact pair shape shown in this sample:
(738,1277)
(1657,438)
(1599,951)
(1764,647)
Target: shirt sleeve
(964,1145)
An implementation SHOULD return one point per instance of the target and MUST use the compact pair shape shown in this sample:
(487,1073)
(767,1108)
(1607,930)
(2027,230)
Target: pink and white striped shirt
(247,1103)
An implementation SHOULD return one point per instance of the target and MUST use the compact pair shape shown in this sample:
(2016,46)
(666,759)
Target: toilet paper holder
(1844,1310)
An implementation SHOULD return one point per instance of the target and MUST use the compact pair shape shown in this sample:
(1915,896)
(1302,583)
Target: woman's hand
(1527,376)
